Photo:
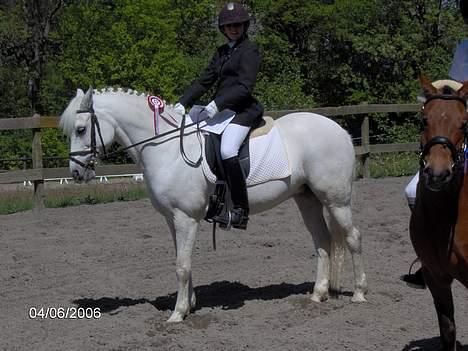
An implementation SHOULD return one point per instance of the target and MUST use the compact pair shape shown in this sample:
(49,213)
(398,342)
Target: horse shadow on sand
(431,344)
(224,294)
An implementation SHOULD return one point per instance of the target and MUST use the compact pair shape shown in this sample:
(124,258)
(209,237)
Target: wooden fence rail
(38,174)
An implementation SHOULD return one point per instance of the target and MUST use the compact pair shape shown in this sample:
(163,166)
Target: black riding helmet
(233,12)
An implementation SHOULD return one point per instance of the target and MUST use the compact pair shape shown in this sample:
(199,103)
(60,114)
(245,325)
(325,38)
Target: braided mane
(119,90)
(67,119)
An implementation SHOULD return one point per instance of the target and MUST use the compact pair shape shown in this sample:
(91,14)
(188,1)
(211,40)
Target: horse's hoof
(358,297)
(176,317)
(319,298)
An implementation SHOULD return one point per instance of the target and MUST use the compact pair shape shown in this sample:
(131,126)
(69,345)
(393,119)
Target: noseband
(457,154)
(91,163)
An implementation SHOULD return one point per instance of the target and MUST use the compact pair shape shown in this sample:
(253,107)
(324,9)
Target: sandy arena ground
(253,292)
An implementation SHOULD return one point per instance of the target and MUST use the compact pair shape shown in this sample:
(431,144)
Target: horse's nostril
(428,172)
(75,174)
(437,177)
(445,175)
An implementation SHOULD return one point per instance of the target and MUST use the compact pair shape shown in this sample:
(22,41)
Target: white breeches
(410,190)
(231,140)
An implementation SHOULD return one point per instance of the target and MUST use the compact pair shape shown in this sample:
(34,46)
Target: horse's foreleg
(443,302)
(311,211)
(183,229)
(341,222)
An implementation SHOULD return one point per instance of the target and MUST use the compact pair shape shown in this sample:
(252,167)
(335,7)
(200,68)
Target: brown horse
(439,222)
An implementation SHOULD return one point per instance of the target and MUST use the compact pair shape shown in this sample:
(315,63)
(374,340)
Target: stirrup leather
(216,202)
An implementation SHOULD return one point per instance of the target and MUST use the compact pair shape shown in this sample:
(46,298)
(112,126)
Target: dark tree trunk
(38,17)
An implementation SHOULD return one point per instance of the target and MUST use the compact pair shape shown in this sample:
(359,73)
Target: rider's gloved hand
(179,108)
(211,109)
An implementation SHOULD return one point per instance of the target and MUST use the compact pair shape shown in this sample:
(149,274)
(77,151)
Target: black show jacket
(235,72)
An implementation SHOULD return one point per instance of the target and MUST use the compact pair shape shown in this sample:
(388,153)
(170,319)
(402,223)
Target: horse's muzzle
(436,181)
(83,175)
(77,177)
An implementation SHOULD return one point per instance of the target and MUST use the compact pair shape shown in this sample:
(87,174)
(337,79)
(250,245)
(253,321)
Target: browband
(446,97)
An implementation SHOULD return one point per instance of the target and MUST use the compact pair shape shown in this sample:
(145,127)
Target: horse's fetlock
(183,273)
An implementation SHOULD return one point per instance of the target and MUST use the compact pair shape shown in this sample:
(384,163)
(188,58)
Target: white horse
(321,158)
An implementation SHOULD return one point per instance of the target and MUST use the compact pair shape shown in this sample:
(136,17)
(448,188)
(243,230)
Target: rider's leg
(231,140)
(410,191)
(416,279)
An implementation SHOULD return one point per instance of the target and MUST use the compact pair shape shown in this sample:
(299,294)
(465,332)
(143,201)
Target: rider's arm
(203,83)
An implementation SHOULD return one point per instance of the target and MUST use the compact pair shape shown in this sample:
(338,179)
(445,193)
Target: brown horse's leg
(443,301)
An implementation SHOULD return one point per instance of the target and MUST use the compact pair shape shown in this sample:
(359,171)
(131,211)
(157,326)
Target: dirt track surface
(252,292)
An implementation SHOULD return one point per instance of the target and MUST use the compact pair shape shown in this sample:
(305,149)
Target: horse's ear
(87,101)
(463,91)
(79,92)
(427,86)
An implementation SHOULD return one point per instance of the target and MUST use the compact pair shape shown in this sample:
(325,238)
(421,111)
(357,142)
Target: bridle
(458,155)
(93,150)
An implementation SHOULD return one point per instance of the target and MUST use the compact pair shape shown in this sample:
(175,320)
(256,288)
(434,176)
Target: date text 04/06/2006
(64,313)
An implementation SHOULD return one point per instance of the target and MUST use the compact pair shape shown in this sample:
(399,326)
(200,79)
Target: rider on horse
(234,69)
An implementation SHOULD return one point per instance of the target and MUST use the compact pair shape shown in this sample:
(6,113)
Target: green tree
(315,52)
(123,43)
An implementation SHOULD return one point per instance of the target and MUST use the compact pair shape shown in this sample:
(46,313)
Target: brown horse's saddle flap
(266,125)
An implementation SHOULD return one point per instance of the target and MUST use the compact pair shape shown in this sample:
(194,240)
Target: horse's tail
(337,255)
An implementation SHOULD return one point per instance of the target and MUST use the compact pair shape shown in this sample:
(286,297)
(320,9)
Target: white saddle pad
(268,160)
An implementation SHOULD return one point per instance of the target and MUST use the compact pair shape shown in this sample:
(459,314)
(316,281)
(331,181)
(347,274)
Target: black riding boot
(235,179)
(415,280)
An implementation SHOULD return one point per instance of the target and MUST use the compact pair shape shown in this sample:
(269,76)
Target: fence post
(39,194)
(365,141)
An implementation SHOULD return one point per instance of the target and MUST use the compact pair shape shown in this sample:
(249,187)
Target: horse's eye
(80,130)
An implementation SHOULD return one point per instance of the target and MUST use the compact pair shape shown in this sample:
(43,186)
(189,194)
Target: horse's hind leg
(443,302)
(184,230)
(341,224)
(312,213)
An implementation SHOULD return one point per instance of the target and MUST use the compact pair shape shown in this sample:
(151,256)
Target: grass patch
(392,164)
(94,194)
(21,199)
(12,203)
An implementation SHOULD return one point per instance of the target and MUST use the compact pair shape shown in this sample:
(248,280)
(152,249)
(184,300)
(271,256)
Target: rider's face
(234,30)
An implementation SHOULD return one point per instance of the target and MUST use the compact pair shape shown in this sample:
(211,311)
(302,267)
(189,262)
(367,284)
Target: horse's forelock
(446,90)
(67,119)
